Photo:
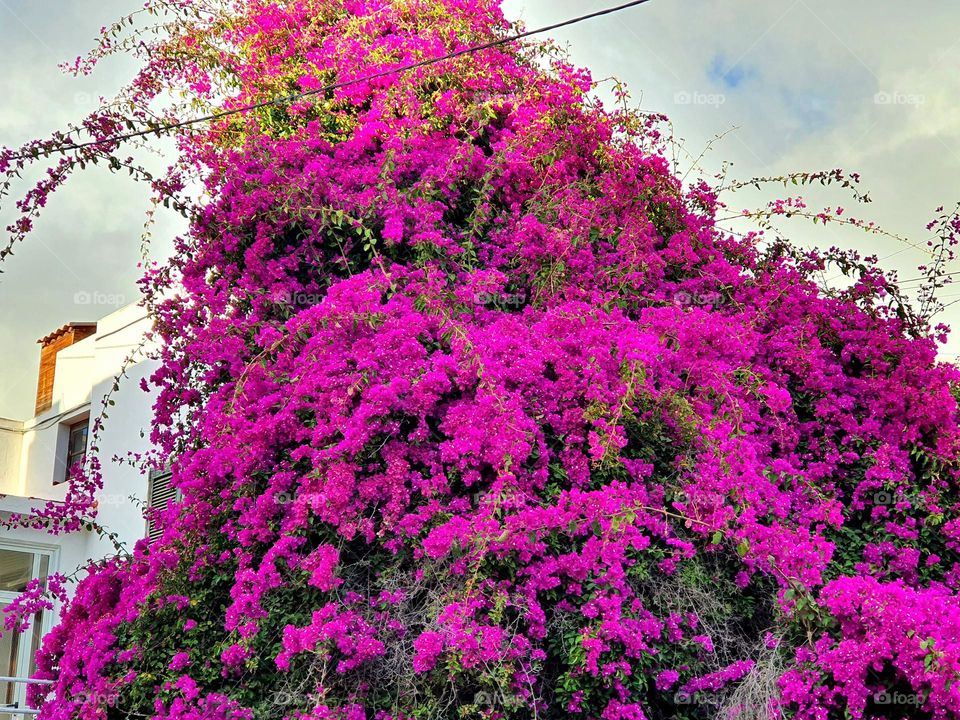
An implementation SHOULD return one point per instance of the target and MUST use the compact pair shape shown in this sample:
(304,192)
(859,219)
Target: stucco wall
(32,453)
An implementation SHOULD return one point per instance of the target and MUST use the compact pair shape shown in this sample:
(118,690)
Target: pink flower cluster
(891,638)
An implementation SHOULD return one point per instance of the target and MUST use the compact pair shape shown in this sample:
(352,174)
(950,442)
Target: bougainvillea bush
(476,411)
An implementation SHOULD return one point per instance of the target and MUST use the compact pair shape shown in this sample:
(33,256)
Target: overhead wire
(161,129)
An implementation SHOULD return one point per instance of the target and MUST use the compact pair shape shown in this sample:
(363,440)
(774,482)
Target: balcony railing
(14,709)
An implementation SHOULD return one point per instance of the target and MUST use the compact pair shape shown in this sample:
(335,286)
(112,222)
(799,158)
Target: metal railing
(13,709)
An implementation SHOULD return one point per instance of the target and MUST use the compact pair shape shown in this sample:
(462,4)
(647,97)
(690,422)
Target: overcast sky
(872,86)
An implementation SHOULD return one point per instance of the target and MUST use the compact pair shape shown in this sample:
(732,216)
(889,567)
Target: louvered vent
(159,496)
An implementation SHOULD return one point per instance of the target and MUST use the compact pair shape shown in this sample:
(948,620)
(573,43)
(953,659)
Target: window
(16,570)
(18,651)
(160,494)
(76,446)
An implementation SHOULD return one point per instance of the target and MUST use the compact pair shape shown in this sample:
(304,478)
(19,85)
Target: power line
(333,86)
(925,277)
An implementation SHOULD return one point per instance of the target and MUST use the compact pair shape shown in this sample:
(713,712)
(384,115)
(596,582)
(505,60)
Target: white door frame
(26,640)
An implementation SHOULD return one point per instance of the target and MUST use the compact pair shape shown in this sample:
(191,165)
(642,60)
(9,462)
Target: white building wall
(33,452)
(33,464)
(11,444)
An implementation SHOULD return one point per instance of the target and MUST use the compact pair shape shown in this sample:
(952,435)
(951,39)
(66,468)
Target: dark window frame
(75,455)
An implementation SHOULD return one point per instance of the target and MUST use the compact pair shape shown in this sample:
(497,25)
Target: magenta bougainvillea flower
(476,411)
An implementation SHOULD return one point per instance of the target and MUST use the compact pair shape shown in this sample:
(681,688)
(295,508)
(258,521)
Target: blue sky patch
(729,75)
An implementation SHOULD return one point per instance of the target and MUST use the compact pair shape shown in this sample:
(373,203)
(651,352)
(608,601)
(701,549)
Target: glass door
(18,650)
